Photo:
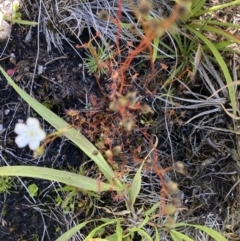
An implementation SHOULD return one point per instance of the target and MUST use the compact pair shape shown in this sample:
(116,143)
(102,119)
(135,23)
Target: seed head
(103,15)
(117,150)
(108,153)
(179,167)
(172,187)
(127,123)
(144,7)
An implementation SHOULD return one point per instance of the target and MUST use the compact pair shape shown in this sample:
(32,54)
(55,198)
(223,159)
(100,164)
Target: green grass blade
(173,74)
(99,239)
(58,123)
(144,222)
(157,238)
(178,40)
(214,234)
(219,31)
(152,209)
(93,232)
(222,64)
(70,233)
(218,7)
(145,234)
(24,22)
(167,47)
(19,21)
(178,236)
(218,23)
(196,6)
(222,45)
(68,178)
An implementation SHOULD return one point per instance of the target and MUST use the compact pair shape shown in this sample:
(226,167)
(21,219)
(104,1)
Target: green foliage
(6,183)
(97,59)
(178,236)
(198,26)
(191,33)
(72,198)
(212,233)
(67,204)
(34,237)
(122,234)
(33,190)
(223,66)
(49,103)
(17,16)
(136,185)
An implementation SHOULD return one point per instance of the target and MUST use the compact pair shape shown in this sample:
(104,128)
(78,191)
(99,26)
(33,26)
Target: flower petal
(32,123)
(34,144)
(22,140)
(20,128)
(40,134)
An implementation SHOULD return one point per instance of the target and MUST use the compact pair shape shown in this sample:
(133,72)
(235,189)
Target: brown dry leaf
(163,66)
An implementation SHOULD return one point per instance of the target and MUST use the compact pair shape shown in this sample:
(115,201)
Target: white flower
(29,134)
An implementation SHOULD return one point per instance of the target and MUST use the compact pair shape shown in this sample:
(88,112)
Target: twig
(61,57)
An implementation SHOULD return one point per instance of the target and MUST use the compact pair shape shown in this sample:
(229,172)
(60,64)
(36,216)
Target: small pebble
(6,111)
(10,72)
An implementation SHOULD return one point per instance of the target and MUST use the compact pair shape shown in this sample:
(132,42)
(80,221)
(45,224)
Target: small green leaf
(136,185)
(32,190)
(178,236)
(145,234)
(112,237)
(15,6)
(175,237)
